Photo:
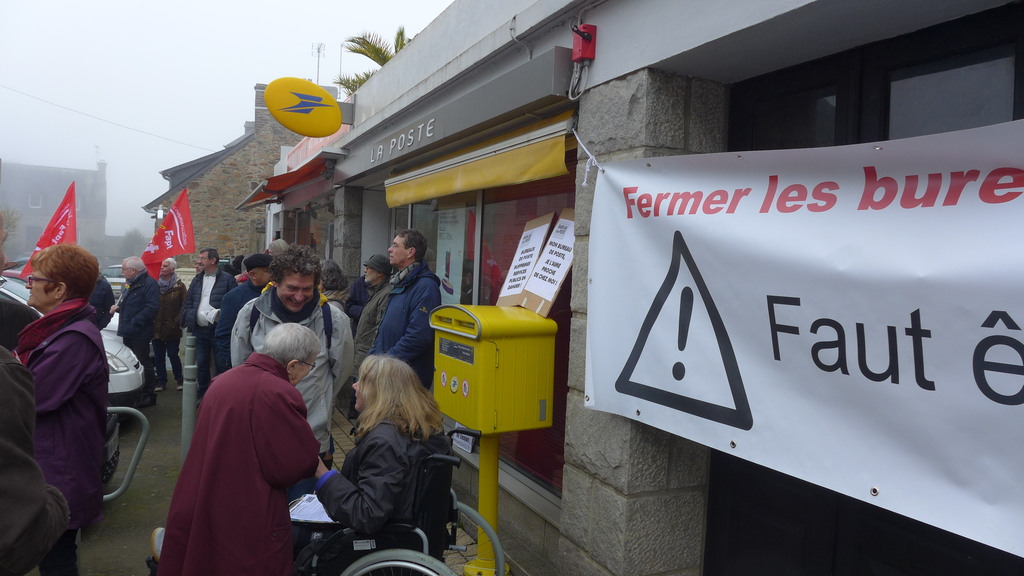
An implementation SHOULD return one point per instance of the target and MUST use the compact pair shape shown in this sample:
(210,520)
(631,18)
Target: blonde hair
(392,392)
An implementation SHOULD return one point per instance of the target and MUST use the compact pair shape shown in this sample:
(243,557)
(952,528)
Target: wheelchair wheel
(398,562)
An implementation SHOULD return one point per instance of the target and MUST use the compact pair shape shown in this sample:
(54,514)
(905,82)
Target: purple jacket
(71,377)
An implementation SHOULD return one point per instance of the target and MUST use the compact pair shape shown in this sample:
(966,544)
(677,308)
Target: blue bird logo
(307,104)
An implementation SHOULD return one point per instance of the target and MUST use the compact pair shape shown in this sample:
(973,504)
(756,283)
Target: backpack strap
(253,317)
(325,309)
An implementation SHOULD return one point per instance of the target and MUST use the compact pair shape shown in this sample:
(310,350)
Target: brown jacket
(167,325)
(369,321)
(34,513)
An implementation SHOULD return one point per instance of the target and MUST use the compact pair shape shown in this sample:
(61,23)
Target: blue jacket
(405,330)
(230,304)
(140,301)
(225,283)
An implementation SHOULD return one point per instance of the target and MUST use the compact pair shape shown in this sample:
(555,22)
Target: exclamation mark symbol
(685,311)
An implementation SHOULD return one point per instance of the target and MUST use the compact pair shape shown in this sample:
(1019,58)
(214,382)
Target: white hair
(172,262)
(135,263)
(291,341)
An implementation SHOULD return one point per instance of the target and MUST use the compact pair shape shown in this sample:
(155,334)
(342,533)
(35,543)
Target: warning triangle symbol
(738,415)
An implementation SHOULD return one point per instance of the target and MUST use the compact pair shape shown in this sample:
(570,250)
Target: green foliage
(374,47)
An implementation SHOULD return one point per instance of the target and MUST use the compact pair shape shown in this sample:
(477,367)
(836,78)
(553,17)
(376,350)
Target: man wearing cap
(258,268)
(376,272)
(405,331)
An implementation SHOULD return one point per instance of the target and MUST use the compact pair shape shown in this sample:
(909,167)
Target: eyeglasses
(31,279)
(311,365)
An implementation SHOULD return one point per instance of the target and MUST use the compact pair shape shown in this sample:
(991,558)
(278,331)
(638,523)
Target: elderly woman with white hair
(229,512)
(167,326)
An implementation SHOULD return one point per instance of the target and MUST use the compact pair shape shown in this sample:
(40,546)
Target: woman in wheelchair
(399,425)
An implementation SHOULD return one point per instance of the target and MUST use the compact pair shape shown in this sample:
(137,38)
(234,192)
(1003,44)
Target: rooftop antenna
(318,51)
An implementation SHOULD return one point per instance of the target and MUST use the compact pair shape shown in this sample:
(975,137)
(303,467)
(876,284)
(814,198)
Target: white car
(126,377)
(114,275)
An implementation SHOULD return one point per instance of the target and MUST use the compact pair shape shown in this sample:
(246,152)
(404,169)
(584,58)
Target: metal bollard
(189,391)
(190,349)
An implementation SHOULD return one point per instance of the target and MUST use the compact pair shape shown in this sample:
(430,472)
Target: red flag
(62,229)
(173,237)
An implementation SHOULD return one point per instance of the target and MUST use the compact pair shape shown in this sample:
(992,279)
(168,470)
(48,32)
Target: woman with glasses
(64,352)
(229,511)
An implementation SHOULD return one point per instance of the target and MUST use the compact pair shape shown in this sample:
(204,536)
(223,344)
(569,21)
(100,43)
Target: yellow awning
(528,155)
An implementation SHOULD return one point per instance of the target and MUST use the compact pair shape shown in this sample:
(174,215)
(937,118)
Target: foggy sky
(181,70)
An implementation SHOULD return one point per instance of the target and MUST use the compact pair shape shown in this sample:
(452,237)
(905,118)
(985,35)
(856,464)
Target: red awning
(276,185)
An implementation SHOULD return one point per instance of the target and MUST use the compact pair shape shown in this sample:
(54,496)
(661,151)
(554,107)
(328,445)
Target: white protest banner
(850,316)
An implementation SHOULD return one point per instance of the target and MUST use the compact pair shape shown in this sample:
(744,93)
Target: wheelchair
(414,547)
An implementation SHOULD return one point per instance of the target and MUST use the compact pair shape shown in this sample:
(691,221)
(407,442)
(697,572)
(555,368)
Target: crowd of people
(276,342)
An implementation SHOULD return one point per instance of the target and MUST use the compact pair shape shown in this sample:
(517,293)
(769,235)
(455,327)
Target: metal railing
(119,410)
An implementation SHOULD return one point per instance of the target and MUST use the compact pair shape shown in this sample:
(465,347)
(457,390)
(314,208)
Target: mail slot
(495,367)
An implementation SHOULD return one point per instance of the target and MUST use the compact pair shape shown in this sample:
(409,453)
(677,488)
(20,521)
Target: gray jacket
(320,385)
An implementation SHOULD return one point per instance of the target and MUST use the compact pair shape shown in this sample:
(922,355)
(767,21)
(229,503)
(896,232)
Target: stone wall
(633,497)
(215,193)
(348,230)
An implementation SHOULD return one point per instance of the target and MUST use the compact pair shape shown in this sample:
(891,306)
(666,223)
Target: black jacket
(102,299)
(376,481)
(140,301)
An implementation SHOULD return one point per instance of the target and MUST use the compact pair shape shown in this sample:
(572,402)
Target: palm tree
(374,47)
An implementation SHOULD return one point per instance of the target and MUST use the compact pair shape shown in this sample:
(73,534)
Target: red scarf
(35,333)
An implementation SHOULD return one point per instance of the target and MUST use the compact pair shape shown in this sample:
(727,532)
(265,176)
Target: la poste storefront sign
(850,316)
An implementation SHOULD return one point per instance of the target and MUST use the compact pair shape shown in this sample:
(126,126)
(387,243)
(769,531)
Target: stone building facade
(627,498)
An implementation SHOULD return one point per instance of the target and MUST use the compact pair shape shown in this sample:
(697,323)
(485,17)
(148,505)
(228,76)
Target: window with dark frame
(961,74)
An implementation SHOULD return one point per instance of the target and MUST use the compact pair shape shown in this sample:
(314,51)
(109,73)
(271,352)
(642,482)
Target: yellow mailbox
(494,367)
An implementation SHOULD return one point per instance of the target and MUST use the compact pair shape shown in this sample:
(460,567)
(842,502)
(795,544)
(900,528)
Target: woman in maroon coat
(229,512)
(64,352)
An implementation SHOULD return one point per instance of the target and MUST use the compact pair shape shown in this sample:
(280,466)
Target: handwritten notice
(554,262)
(530,246)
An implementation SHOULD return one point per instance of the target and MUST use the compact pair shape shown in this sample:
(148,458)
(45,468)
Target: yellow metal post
(487,506)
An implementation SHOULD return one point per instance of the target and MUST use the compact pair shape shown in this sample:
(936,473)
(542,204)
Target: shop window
(801,120)
(537,453)
(965,91)
(961,74)
(472,239)
(450,225)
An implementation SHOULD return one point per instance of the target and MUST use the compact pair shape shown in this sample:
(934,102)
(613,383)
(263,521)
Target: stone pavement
(118,545)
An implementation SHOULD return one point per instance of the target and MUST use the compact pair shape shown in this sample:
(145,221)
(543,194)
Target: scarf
(287,315)
(166,285)
(402,274)
(38,331)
